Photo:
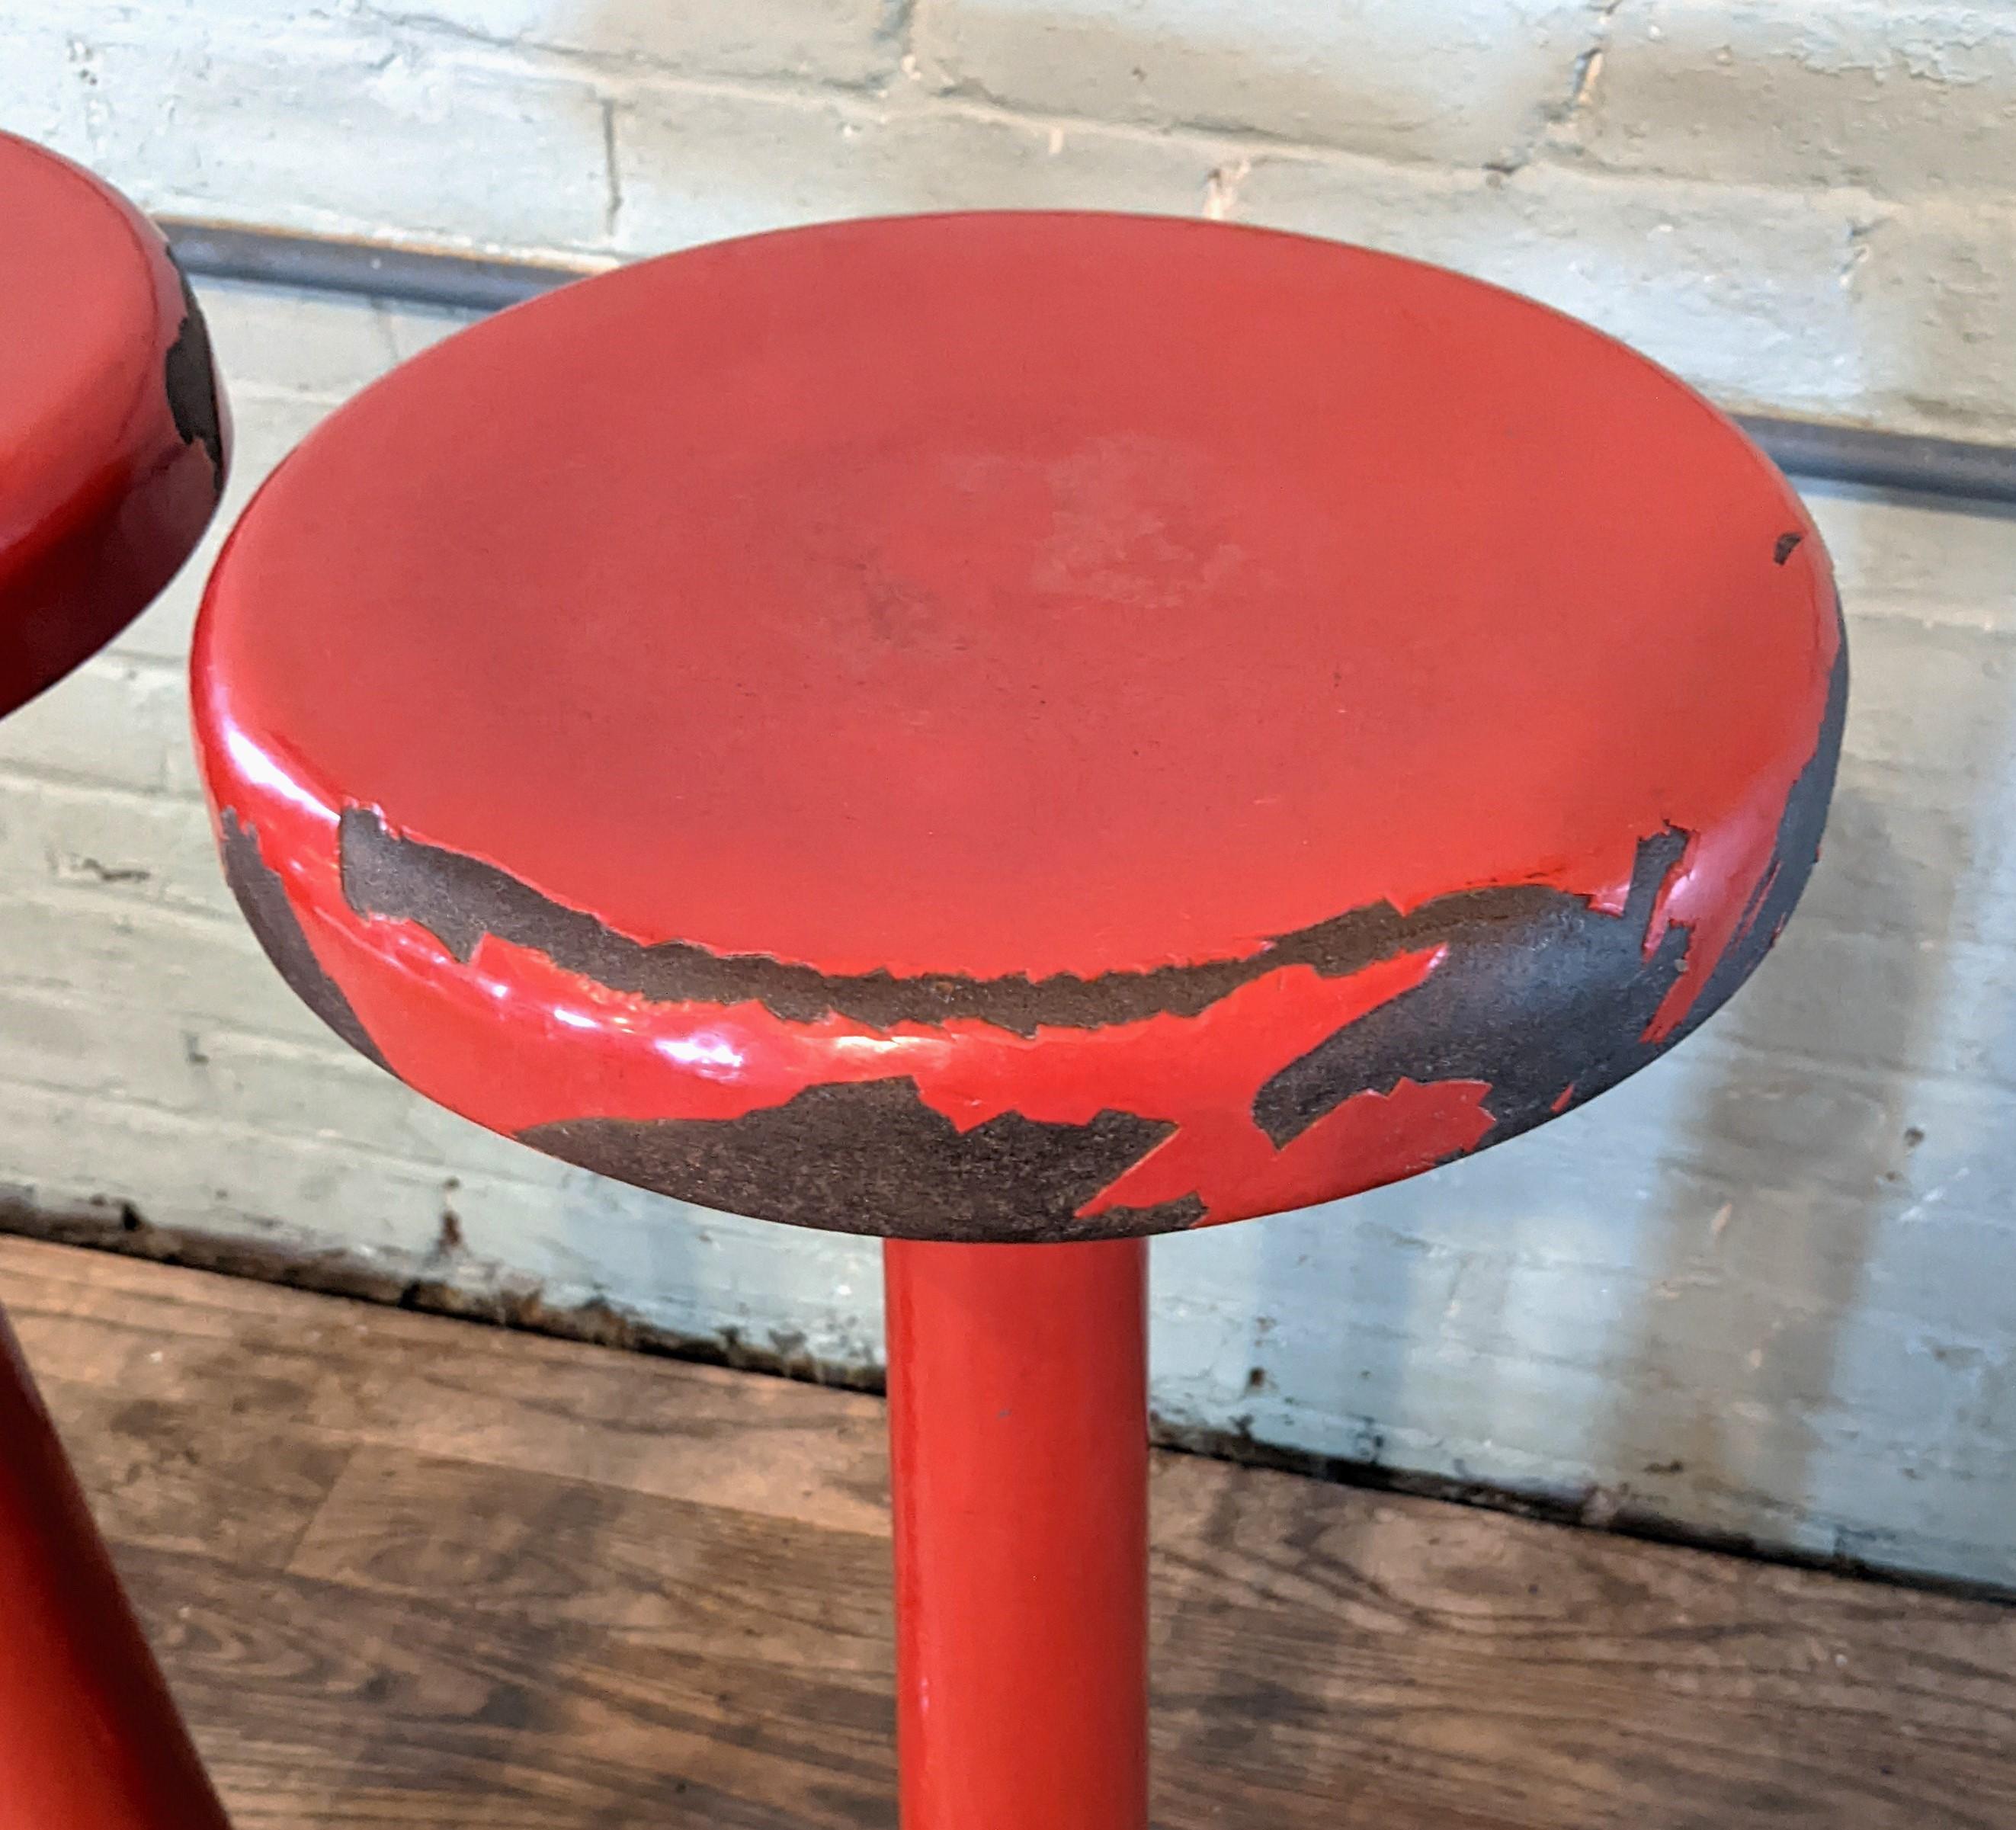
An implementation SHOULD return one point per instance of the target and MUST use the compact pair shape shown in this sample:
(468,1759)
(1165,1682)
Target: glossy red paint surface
(1009,596)
(1018,1428)
(89,1739)
(101,495)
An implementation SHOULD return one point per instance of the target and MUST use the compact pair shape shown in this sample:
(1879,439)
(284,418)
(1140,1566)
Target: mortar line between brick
(213,1126)
(28,775)
(612,209)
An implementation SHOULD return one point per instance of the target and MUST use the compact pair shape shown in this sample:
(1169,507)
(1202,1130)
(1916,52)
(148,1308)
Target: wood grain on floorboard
(407,1572)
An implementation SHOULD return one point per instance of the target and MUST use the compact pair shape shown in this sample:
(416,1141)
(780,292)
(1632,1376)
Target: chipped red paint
(1372,1138)
(1139,591)
(1435,553)
(436,1021)
(1701,894)
(102,493)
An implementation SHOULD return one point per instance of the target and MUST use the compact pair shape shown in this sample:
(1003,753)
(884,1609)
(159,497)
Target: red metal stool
(1015,732)
(112,458)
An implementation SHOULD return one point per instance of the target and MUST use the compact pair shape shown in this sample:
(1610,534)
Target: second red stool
(112,458)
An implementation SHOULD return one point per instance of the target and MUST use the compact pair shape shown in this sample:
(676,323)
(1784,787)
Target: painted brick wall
(1804,204)
(1768,1289)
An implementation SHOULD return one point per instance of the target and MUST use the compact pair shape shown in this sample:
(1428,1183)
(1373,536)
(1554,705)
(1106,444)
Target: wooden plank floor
(412,1572)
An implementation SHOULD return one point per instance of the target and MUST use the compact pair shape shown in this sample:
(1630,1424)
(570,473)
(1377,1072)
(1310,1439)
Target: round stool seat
(1021,726)
(111,435)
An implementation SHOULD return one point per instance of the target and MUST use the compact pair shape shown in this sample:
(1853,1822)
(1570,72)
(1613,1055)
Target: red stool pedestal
(1013,733)
(89,1738)
(1018,1429)
(112,457)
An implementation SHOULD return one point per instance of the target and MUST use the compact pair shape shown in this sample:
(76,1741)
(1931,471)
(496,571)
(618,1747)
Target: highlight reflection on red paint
(613,1054)
(104,496)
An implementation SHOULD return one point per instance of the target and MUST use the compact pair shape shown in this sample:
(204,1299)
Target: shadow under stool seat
(1020,731)
(112,459)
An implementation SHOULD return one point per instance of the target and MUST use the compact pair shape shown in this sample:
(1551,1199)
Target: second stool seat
(113,444)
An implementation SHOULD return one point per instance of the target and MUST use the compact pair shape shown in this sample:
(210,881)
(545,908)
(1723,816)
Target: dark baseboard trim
(431,1287)
(1949,469)
(446,1282)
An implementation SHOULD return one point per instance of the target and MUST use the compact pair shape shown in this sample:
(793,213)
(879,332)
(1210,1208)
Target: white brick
(1901,97)
(1603,1293)
(1938,1007)
(59,1041)
(148,847)
(412,329)
(1930,1268)
(1938,563)
(1934,292)
(178,1168)
(280,340)
(65,1040)
(697,165)
(49,79)
(1918,856)
(313,122)
(198,967)
(81,1039)
(118,720)
(846,41)
(1738,291)
(1461,82)
(1933,696)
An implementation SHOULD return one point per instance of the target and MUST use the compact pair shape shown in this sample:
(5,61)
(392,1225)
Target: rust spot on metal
(1566,1001)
